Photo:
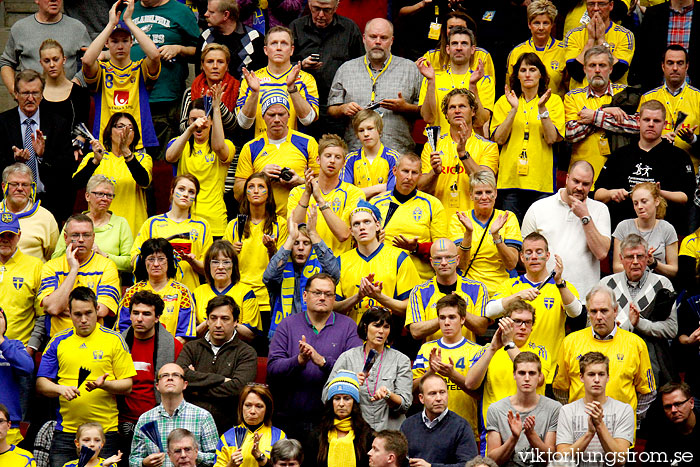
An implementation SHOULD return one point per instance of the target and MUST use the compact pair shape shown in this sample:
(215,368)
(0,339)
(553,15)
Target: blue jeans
(519,201)
(63,447)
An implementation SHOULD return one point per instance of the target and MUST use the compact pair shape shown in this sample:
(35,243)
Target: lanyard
(376,380)
(374,79)
(467,76)
(674,108)
(526,112)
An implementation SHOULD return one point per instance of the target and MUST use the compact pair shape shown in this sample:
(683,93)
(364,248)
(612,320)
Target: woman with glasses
(249,443)
(113,237)
(385,385)
(128,169)
(489,239)
(155,272)
(188,233)
(223,278)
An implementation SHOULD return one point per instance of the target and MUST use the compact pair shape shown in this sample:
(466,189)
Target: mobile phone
(374,106)
(315,57)
(121,7)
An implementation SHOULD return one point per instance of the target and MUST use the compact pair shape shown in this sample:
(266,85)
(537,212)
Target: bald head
(442,246)
(378,37)
(444,259)
(379,24)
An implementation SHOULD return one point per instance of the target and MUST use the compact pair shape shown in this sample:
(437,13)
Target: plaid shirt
(188,416)
(576,131)
(679,23)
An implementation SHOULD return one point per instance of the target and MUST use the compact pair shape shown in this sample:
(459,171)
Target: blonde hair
(214,46)
(332,141)
(655,192)
(89,426)
(482,177)
(541,7)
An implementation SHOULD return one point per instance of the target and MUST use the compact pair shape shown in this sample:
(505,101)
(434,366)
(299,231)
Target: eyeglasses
(26,94)
(519,322)
(121,126)
(76,236)
(4,421)
(156,259)
(675,405)
(641,258)
(225,263)
(320,293)
(186,450)
(170,376)
(15,185)
(597,4)
(101,194)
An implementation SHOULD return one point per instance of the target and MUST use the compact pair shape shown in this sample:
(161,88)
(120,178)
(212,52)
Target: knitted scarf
(341,451)
(200,89)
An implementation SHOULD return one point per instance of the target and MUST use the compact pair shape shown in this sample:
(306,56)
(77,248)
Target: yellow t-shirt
(16,457)
(20,280)
(630,367)
(298,152)
(536,171)
(690,246)
(422,216)
(389,265)
(129,198)
(98,274)
(464,354)
(552,56)
(424,298)
(452,186)
(192,235)
(306,84)
(256,256)
(342,200)
(433,56)
(362,173)
(103,351)
(550,316)
(487,267)
(226,446)
(241,294)
(204,164)
(621,42)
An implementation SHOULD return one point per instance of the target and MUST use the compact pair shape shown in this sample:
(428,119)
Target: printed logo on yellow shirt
(17,282)
(121,97)
(417,214)
(554,64)
(97,355)
(548,302)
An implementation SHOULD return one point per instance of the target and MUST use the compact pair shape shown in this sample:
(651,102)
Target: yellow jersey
(20,280)
(550,316)
(389,265)
(421,216)
(630,367)
(363,173)
(434,55)
(227,444)
(620,39)
(464,354)
(452,186)
(342,200)
(97,273)
(102,352)
(445,82)
(306,84)
(527,161)
(690,246)
(256,256)
(17,457)
(129,198)
(204,164)
(589,148)
(552,56)
(123,90)
(297,152)
(244,297)
(178,315)
(487,265)
(424,298)
(192,235)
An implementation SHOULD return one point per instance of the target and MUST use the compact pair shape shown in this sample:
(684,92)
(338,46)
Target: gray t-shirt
(662,235)
(546,415)
(573,424)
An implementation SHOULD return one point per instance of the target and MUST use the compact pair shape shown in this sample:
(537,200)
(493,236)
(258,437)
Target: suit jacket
(651,43)
(55,167)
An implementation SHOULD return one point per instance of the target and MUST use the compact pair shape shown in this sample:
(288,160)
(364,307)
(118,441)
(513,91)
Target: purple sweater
(298,388)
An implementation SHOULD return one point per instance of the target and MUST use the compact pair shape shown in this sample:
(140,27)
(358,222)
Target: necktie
(32,162)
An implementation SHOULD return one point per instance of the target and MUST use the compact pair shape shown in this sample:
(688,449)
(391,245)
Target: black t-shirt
(676,446)
(664,164)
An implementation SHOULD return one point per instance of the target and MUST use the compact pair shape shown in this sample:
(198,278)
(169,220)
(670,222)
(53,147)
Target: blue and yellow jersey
(433,56)
(241,294)
(256,255)
(178,315)
(527,161)
(298,152)
(464,354)
(589,148)
(123,90)
(102,352)
(487,267)
(74,463)
(227,444)
(97,273)
(621,42)
(424,298)
(306,84)
(362,173)
(686,101)
(552,56)
(203,163)
(445,82)
(630,367)
(129,198)
(342,200)
(20,280)
(17,457)
(452,186)
(390,266)
(189,236)
(690,246)
(550,316)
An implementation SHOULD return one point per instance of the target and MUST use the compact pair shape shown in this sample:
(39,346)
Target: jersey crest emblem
(18,282)
(336,205)
(121,98)
(548,302)
(554,64)
(97,355)
(193,235)
(417,214)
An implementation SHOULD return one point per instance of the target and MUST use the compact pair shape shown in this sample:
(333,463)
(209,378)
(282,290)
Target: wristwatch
(585,220)
(324,207)
(388,396)
(544,114)
(465,157)
(562,285)
(261,457)
(293,90)
(509,345)
(496,242)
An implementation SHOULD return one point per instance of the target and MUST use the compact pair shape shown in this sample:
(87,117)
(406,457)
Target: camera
(286,174)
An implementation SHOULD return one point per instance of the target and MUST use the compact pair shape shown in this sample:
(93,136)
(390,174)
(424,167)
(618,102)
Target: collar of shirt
(678,91)
(683,10)
(176,412)
(329,322)
(560,198)
(436,420)
(640,283)
(609,337)
(23,117)
(216,348)
(369,63)
(608,90)
(310,26)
